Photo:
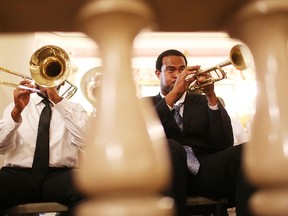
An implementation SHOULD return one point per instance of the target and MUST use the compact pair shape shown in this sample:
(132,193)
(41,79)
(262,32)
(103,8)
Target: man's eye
(170,70)
(181,69)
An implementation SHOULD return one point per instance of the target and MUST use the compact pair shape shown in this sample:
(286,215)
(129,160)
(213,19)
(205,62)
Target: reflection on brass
(49,66)
(239,58)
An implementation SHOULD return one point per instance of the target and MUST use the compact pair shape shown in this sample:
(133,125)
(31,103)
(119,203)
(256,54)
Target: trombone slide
(19,86)
(28,88)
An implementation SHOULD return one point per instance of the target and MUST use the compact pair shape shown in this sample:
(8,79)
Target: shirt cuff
(215,107)
(11,124)
(171,108)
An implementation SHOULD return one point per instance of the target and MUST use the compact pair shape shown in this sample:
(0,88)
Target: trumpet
(239,54)
(49,66)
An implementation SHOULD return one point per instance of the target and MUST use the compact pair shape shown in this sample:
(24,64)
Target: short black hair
(170,52)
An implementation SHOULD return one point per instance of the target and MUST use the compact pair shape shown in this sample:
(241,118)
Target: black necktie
(41,156)
(192,162)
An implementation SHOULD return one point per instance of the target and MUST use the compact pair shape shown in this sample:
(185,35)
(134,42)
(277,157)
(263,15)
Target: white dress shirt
(68,130)
(239,133)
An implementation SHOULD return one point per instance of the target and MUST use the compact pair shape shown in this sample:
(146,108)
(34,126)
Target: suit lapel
(156,98)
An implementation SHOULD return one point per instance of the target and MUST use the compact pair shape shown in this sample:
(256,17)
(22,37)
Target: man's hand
(182,83)
(208,90)
(21,99)
(52,94)
(185,78)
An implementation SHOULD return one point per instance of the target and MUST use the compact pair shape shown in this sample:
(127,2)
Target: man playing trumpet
(200,137)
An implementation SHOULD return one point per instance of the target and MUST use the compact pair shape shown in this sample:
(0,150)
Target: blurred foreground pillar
(262,25)
(126,160)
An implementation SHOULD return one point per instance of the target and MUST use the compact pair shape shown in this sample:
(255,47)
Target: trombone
(239,54)
(49,66)
(17,85)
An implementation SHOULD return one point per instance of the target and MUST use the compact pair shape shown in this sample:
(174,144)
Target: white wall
(15,53)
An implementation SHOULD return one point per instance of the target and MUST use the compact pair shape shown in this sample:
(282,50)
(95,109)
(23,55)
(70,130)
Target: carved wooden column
(126,160)
(262,25)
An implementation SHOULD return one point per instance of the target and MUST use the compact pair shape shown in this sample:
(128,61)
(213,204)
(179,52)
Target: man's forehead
(173,61)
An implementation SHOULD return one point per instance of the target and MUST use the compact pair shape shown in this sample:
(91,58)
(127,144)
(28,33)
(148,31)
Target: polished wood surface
(170,15)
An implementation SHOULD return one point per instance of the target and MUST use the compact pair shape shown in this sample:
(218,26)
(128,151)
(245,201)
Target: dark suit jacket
(205,130)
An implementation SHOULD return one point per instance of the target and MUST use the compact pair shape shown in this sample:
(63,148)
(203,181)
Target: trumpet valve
(188,77)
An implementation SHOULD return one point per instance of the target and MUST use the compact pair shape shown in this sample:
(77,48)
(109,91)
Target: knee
(177,151)
(236,157)
(175,147)
(236,153)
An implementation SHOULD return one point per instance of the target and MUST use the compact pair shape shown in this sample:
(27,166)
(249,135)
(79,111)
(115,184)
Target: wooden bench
(34,209)
(195,206)
(198,205)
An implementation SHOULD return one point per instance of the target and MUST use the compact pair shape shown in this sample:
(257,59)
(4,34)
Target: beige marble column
(262,25)
(125,163)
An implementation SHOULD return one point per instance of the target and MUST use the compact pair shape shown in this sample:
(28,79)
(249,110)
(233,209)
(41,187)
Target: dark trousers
(19,185)
(220,176)
(178,186)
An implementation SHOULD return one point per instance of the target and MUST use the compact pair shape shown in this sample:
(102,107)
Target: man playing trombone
(23,179)
(200,138)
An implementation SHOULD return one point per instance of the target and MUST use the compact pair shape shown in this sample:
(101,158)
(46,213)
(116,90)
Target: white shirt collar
(36,98)
(181,99)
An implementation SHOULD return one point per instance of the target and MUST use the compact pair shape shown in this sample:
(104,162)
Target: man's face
(44,89)
(172,66)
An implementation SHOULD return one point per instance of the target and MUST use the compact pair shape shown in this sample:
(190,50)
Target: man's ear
(157,72)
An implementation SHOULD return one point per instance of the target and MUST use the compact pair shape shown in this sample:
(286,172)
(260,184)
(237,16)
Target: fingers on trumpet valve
(199,80)
(192,72)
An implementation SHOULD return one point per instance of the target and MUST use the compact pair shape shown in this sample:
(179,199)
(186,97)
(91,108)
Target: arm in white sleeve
(76,120)
(7,130)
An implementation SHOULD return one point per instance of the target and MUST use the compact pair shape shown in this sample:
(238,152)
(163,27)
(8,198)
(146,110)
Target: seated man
(29,174)
(202,129)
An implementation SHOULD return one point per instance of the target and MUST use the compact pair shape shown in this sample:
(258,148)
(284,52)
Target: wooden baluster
(262,25)
(126,161)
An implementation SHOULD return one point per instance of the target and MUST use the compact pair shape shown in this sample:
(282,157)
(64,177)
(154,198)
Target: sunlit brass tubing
(238,54)
(15,73)
(19,86)
(14,85)
(49,66)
